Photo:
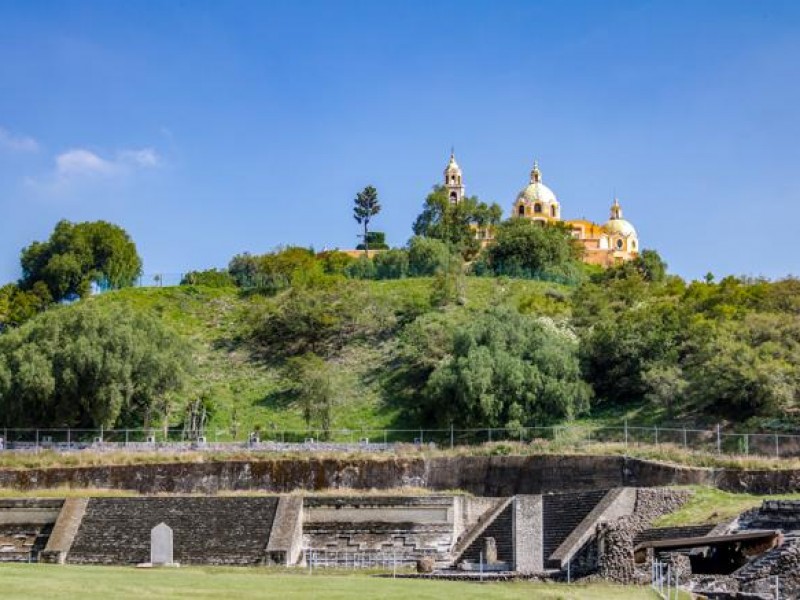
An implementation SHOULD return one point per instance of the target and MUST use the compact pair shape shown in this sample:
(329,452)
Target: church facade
(606,245)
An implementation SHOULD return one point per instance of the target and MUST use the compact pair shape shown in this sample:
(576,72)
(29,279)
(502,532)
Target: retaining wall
(481,476)
(205,530)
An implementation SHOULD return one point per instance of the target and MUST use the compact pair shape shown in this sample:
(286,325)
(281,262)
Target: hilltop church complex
(611,243)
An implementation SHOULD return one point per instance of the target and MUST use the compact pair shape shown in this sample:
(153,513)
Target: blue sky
(209,128)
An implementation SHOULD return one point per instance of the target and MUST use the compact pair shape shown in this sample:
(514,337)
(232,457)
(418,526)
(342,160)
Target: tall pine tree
(365,207)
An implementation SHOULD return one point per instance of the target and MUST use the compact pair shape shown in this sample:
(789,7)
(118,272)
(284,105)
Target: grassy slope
(55,582)
(710,505)
(248,393)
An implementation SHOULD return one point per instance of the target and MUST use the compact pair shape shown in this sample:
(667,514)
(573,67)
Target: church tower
(452,181)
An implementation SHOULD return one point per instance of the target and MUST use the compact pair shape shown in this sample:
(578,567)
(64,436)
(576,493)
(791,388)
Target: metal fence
(714,440)
(377,559)
(664,581)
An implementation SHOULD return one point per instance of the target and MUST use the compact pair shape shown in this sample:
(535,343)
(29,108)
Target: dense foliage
(455,224)
(427,350)
(18,305)
(499,369)
(85,366)
(78,255)
(524,248)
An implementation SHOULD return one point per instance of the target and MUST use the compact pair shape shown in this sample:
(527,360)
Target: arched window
(553,210)
(453,197)
(619,244)
(537,208)
(521,210)
(633,245)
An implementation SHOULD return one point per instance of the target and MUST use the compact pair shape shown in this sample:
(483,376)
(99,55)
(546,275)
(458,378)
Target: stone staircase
(463,548)
(23,542)
(499,526)
(562,513)
(206,530)
(25,527)
(783,560)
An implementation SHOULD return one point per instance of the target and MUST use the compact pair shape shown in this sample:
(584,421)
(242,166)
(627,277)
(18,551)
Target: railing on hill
(277,282)
(714,441)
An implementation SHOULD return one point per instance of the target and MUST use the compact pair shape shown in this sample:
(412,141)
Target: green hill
(247,390)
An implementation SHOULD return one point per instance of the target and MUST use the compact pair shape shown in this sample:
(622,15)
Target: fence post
(490,434)
(421,437)
(69,439)
(37,441)
(685,444)
(777,448)
(655,430)
(719,440)
(452,436)
(626,433)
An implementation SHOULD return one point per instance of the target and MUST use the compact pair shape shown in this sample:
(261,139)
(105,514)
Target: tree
(318,390)
(528,249)
(79,254)
(375,240)
(455,224)
(427,256)
(498,369)
(621,346)
(391,264)
(18,306)
(366,206)
(649,265)
(89,365)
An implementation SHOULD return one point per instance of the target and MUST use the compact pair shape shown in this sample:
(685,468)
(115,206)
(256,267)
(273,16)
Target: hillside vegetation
(246,387)
(436,334)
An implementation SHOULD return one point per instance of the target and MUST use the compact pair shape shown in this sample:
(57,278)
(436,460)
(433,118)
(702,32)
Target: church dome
(536,191)
(620,227)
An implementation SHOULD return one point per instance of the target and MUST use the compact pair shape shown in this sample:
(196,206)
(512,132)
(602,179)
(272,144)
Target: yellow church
(612,243)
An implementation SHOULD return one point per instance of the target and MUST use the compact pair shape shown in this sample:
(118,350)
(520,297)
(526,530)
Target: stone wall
(616,539)
(528,534)
(206,530)
(335,529)
(481,476)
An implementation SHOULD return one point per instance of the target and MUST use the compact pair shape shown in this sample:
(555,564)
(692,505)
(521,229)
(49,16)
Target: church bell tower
(452,181)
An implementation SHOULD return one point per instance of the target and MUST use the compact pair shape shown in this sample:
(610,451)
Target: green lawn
(55,582)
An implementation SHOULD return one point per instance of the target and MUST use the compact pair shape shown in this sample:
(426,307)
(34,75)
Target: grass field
(62,582)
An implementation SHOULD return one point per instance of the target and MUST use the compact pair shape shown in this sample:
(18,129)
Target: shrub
(215,278)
